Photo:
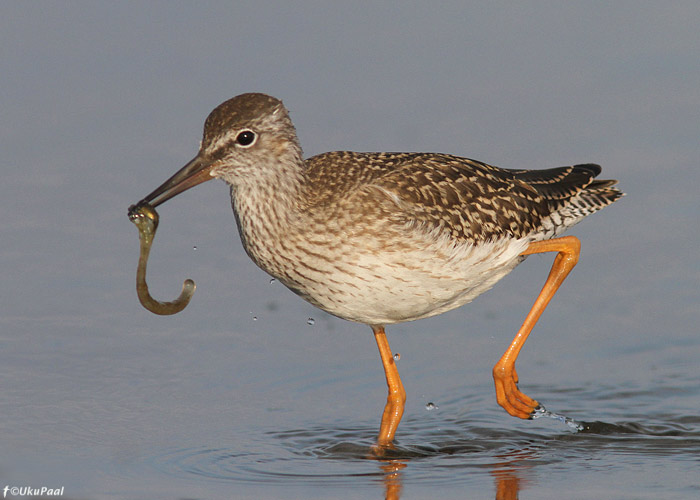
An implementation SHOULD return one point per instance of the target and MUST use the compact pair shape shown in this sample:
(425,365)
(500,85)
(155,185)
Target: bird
(385,238)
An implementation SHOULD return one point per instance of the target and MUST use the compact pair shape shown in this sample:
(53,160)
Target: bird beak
(195,172)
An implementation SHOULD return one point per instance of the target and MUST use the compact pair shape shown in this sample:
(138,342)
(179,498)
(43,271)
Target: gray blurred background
(102,101)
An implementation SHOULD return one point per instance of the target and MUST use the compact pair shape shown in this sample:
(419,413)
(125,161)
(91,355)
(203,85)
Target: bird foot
(509,396)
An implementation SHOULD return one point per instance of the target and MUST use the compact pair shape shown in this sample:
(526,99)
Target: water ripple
(339,455)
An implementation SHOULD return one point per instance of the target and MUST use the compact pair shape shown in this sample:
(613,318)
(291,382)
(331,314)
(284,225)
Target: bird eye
(246,138)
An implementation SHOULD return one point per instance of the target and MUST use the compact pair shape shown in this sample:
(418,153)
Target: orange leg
(507,394)
(395,401)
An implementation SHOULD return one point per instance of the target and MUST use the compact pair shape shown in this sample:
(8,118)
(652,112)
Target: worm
(145,217)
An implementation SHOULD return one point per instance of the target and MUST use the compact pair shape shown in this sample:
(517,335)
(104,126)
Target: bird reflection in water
(392,478)
(506,474)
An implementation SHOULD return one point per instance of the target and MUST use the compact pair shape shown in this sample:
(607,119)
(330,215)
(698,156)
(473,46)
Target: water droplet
(431,406)
(397,356)
(272,280)
(194,247)
(311,321)
(255,318)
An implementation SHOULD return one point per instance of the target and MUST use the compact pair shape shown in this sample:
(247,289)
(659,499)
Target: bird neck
(268,207)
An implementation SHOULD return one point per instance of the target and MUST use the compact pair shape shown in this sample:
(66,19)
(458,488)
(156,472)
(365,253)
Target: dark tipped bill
(195,172)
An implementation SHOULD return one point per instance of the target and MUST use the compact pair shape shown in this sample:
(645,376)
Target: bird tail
(572,193)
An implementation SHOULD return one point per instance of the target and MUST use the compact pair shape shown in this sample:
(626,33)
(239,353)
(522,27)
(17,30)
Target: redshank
(383,238)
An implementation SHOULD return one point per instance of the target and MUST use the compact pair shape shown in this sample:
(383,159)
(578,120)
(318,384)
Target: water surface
(240,395)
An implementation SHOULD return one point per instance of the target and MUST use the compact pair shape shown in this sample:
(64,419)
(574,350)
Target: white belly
(381,286)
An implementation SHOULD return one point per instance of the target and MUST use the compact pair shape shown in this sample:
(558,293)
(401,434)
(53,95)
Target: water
(109,401)
(238,396)
(465,443)
(172,412)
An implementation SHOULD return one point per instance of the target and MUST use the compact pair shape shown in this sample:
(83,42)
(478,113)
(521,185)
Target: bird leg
(395,401)
(507,394)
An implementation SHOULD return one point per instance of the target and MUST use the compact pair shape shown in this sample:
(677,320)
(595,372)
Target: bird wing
(463,198)
(466,199)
